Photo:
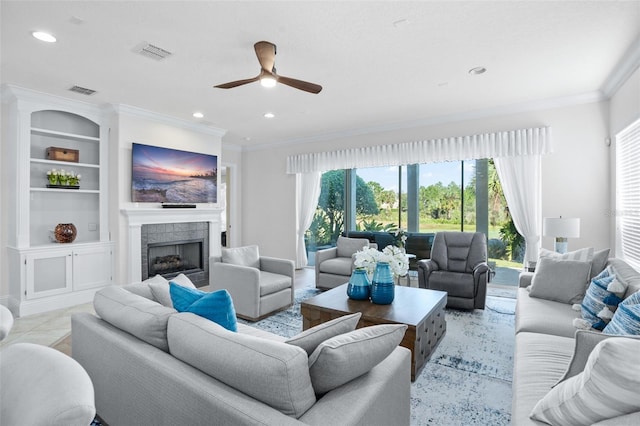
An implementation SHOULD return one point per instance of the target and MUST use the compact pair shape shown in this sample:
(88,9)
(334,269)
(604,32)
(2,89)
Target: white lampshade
(561,227)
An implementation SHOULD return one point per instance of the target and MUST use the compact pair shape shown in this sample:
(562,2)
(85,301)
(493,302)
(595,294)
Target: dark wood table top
(410,305)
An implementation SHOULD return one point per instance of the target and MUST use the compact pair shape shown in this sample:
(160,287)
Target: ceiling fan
(266,53)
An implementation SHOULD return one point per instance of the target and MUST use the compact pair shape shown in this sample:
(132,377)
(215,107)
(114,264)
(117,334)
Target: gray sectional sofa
(151,365)
(546,340)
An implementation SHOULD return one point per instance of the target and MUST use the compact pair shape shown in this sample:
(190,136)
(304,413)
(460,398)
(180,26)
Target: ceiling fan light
(268,81)
(42,36)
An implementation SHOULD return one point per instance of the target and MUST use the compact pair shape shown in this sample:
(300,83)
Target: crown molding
(551,103)
(166,119)
(622,71)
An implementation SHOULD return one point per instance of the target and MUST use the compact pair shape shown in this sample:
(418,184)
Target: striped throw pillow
(600,301)
(607,388)
(626,320)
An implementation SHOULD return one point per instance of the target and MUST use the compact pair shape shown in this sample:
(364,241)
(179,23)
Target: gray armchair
(334,265)
(458,265)
(258,285)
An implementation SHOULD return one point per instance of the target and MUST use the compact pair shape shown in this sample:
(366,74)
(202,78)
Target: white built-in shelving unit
(44,274)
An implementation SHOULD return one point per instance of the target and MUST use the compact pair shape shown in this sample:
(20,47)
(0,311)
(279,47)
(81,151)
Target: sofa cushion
(216,306)
(337,266)
(243,256)
(273,283)
(544,316)
(160,287)
(144,318)
(311,338)
(625,274)
(626,320)
(598,259)
(456,284)
(600,301)
(539,361)
(608,387)
(343,358)
(585,341)
(272,372)
(347,247)
(560,280)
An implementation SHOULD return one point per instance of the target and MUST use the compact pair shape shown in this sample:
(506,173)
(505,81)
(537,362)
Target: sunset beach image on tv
(164,175)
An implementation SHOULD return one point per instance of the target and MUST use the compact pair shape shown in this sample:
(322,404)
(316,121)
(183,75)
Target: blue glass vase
(359,287)
(383,286)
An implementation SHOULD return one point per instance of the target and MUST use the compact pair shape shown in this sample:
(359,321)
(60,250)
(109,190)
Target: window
(628,195)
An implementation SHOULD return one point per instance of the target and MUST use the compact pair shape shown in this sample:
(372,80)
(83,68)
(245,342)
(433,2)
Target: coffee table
(421,309)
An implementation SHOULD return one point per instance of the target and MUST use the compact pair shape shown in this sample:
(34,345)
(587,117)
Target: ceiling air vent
(82,90)
(153,52)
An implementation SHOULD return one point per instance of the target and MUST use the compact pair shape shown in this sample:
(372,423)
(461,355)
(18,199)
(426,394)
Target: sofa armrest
(380,397)
(373,245)
(322,255)
(525,279)
(479,269)
(242,283)
(425,267)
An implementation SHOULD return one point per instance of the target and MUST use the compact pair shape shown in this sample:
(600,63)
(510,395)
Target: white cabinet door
(91,267)
(48,273)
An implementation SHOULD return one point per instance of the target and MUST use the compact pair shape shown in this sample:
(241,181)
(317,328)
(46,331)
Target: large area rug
(468,379)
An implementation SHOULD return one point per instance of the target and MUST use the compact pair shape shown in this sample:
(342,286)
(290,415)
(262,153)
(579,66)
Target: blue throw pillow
(599,303)
(216,306)
(626,320)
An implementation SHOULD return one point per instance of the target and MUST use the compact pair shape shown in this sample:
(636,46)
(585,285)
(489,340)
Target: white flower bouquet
(62,177)
(396,258)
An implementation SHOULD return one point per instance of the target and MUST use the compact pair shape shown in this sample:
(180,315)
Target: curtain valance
(533,141)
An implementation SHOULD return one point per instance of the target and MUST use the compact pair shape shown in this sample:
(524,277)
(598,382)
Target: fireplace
(172,258)
(169,249)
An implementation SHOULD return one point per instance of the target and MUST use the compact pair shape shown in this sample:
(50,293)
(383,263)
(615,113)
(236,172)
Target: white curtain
(521,183)
(534,141)
(307,194)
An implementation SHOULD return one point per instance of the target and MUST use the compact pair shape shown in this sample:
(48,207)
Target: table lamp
(562,229)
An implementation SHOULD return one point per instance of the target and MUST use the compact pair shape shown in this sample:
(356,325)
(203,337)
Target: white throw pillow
(607,388)
(311,338)
(560,280)
(160,287)
(343,358)
(582,255)
(243,256)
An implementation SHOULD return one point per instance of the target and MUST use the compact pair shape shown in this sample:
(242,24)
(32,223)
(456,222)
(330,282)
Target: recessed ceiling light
(42,36)
(477,70)
(269,115)
(198,114)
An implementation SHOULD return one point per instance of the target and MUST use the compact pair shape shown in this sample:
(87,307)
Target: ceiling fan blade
(237,83)
(266,53)
(299,84)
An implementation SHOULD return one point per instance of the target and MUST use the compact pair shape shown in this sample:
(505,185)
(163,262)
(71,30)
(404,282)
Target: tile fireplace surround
(136,217)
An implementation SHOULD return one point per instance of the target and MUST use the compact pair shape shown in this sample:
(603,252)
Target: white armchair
(258,285)
(334,265)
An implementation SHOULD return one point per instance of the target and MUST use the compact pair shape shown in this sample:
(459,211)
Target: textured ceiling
(380,63)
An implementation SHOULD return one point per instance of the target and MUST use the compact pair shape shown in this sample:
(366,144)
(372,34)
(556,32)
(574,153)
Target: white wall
(132,125)
(575,181)
(232,159)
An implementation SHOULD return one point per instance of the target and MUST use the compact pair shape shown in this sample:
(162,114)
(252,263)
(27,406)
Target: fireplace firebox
(172,258)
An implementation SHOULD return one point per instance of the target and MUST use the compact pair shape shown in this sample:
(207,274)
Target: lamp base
(561,245)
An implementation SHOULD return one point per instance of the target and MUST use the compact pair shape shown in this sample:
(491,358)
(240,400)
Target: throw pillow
(626,320)
(607,388)
(585,341)
(599,261)
(216,306)
(347,247)
(243,256)
(311,338)
(272,372)
(582,255)
(599,302)
(560,280)
(343,358)
(160,287)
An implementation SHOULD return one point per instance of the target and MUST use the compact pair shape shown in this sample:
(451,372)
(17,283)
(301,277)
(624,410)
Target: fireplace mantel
(136,217)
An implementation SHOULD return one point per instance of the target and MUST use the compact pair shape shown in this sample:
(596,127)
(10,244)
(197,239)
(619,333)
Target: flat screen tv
(165,175)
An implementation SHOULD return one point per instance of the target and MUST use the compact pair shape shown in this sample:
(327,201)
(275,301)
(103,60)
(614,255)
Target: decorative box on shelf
(63,154)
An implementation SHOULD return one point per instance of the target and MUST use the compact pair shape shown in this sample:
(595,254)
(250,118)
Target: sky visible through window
(437,172)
